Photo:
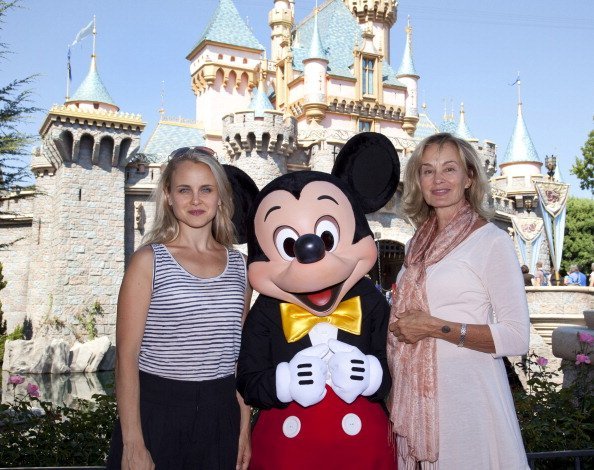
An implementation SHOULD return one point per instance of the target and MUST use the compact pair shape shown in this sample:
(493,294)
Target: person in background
(576,277)
(528,278)
(460,307)
(180,311)
(591,284)
(541,278)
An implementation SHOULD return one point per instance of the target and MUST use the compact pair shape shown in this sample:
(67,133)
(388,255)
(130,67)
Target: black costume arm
(256,371)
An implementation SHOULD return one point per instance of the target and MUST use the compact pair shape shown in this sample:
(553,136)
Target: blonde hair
(413,204)
(165,227)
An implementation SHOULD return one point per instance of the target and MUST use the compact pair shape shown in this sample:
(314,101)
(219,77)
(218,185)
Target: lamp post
(551,164)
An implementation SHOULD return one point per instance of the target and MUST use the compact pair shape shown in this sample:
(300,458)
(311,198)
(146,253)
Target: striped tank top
(193,326)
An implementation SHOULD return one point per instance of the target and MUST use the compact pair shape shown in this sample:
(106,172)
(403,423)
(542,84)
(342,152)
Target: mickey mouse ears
(244,193)
(369,164)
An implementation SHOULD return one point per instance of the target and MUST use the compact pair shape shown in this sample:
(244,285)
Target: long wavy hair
(165,227)
(413,204)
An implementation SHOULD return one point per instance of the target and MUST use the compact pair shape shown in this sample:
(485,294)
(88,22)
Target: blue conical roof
(520,147)
(260,102)
(425,126)
(462,131)
(407,66)
(92,88)
(227,26)
(316,50)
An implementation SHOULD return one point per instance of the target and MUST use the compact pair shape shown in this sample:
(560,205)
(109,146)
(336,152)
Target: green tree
(15,108)
(578,245)
(583,168)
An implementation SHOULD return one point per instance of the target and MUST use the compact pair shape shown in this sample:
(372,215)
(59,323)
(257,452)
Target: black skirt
(186,425)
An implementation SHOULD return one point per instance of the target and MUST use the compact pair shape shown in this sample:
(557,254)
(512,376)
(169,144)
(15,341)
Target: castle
(288,108)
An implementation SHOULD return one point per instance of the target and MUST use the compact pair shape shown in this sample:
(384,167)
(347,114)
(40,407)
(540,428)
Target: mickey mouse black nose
(309,248)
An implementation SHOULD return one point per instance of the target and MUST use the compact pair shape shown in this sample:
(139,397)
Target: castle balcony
(517,185)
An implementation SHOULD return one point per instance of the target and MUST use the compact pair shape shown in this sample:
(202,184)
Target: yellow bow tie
(297,321)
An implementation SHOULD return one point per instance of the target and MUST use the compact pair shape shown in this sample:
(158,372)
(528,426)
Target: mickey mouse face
(312,258)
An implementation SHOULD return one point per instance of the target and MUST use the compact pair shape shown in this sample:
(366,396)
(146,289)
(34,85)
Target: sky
(464,51)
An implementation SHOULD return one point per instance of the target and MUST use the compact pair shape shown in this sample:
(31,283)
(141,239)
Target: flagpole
(68,75)
(94,34)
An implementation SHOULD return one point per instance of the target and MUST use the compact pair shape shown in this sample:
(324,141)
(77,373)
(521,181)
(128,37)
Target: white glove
(303,379)
(352,373)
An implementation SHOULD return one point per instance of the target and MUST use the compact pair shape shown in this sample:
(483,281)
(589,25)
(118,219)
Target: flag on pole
(68,65)
(517,80)
(83,33)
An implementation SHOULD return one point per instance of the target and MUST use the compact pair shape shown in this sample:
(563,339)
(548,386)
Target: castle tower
(520,166)
(315,66)
(77,257)
(281,20)
(380,15)
(408,75)
(224,66)
(259,139)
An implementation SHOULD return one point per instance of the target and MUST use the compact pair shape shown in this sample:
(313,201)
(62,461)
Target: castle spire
(520,147)
(407,66)
(92,90)
(462,131)
(316,50)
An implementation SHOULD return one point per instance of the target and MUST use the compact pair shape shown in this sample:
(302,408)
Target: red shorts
(329,435)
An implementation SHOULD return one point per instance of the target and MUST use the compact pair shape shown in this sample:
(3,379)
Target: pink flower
(584,337)
(33,390)
(582,359)
(542,361)
(15,380)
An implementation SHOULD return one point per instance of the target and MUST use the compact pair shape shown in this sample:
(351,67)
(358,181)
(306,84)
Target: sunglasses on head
(180,152)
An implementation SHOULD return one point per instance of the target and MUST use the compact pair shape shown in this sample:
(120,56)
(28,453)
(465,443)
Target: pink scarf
(413,401)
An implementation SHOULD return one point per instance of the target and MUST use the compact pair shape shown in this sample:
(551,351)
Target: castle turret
(315,67)
(224,66)
(520,166)
(281,20)
(380,16)
(407,74)
(78,214)
(259,139)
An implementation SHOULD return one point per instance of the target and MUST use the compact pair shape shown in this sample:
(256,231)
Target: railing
(566,455)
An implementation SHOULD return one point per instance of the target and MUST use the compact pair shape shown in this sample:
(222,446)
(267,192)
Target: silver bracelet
(462,335)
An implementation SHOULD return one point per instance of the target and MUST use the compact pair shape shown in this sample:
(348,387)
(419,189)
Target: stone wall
(15,268)
(554,306)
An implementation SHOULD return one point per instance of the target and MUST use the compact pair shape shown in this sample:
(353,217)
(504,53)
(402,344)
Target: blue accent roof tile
(316,50)
(425,126)
(169,136)
(341,35)
(260,102)
(407,66)
(448,125)
(227,26)
(92,88)
(520,147)
(389,76)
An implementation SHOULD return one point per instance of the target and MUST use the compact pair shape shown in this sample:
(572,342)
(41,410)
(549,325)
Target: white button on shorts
(292,426)
(351,424)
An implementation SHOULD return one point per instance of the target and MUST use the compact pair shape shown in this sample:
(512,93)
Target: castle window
(364,126)
(367,76)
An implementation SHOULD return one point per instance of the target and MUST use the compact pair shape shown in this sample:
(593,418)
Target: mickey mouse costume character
(313,353)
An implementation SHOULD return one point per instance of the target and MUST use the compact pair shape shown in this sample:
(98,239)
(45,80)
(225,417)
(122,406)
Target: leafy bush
(557,419)
(38,433)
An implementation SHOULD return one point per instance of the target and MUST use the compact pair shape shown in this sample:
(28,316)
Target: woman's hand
(136,457)
(244,453)
(412,326)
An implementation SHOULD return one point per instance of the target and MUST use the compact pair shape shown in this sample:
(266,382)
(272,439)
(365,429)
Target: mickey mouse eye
(327,229)
(284,239)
